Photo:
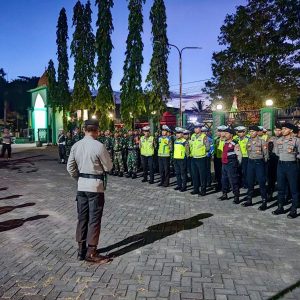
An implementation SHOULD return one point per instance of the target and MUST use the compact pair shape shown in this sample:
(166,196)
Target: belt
(92,176)
(287,162)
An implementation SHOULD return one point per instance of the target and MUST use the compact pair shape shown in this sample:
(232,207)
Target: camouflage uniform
(69,144)
(132,158)
(118,159)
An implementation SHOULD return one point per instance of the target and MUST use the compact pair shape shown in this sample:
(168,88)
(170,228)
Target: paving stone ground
(227,252)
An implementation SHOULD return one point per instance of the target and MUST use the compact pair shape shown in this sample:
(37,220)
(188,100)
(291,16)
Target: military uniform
(257,156)
(287,148)
(69,144)
(118,158)
(61,141)
(132,157)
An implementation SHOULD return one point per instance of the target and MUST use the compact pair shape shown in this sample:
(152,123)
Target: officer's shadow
(154,233)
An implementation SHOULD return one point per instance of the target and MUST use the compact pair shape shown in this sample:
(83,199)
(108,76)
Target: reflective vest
(179,148)
(147,148)
(164,146)
(265,137)
(219,148)
(198,148)
(243,146)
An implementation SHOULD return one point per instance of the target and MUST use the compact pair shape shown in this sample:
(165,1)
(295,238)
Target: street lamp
(269,102)
(219,106)
(94,117)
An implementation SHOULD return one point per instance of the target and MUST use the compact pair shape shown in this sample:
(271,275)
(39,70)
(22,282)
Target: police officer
(147,152)
(209,155)
(262,133)
(164,152)
(199,146)
(6,143)
(186,136)
(242,141)
(287,149)
(61,141)
(181,149)
(257,157)
(231,157)
(218,146)
(272,161)
(88,163)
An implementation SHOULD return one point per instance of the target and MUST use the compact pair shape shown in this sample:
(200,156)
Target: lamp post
(180,51)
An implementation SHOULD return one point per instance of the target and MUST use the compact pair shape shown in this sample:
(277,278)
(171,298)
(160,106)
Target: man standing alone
(88,163)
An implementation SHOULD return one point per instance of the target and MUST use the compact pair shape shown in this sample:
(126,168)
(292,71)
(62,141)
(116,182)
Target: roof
(43,81)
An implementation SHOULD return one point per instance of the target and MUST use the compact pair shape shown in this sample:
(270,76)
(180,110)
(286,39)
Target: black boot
(94,257)
(133,175)
(236,199)
(144,180)
(177,188)
(120,174)
(264,205)
(128,175)
(223,197)
(202,192)
(248,202)
(292,214)
(160,184)
(279,210)
(81,251)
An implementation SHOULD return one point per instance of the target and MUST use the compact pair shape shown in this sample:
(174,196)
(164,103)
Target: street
(167,244)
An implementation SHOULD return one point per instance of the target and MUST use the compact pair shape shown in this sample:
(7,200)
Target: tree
(63,94)
(132,99)
(3,87)
(157,78)
(104,101)
(52,85)
(258,61)
(83,51)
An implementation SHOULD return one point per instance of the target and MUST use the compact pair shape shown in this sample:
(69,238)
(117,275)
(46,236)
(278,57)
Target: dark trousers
(89,209)
(6,147)
(180,170)
(244,166)
(189,167)
(218,172)
(62,152)
(208,176)
(164,170)
(199,173)
(272,173)
(256,171)
(230,177)
(287,175)
(147,162)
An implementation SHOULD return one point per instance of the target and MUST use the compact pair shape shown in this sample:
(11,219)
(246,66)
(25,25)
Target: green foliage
(52,85)
(104,101)
(63,94)
(132,99)
(83,51)
(157,78)
(3,87)
(260,58)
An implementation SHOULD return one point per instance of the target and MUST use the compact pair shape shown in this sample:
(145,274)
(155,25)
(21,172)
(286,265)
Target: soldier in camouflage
(118,159)
(132,157)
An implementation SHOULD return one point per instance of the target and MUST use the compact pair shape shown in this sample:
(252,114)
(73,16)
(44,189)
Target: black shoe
(278,211)
(263,206)
(81,251)
(134,176)
(144,180)
(183,189)
(223,197)
(292,214)
(166,185)
(247,203)
(177,188)
(94,257)
(151,182)
(116,173)
(160,184)
(236,200)
(120,174)
(202,193)
(128,175)
(194,193)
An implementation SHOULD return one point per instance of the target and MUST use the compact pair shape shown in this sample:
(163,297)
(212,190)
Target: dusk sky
(28,34)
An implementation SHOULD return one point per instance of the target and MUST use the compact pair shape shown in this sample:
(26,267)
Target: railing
(288,113)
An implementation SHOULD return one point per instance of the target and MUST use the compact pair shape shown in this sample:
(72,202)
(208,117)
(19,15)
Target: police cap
(229,130)
(254,128)
(91,122)
(288,125)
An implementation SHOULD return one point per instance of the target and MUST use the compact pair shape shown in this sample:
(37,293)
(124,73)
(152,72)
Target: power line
(190,82)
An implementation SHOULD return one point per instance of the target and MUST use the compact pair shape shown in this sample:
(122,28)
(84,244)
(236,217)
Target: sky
(28,37)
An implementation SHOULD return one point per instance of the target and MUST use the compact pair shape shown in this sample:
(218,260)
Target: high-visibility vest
(265,137)
(147,148)
(219,148)
(164,146)
(179,148)
(198,148)
(243,146)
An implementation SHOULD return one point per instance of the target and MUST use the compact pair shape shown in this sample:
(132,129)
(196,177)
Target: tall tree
(3,88)
(132,99)
(63,94)
(83,51)
(258,61)
(157,78)
(104,100)
(52,85)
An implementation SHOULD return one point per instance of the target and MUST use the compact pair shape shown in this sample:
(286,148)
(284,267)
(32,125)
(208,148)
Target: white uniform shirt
(90,157)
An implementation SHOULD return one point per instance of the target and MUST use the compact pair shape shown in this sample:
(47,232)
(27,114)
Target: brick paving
(227,252)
